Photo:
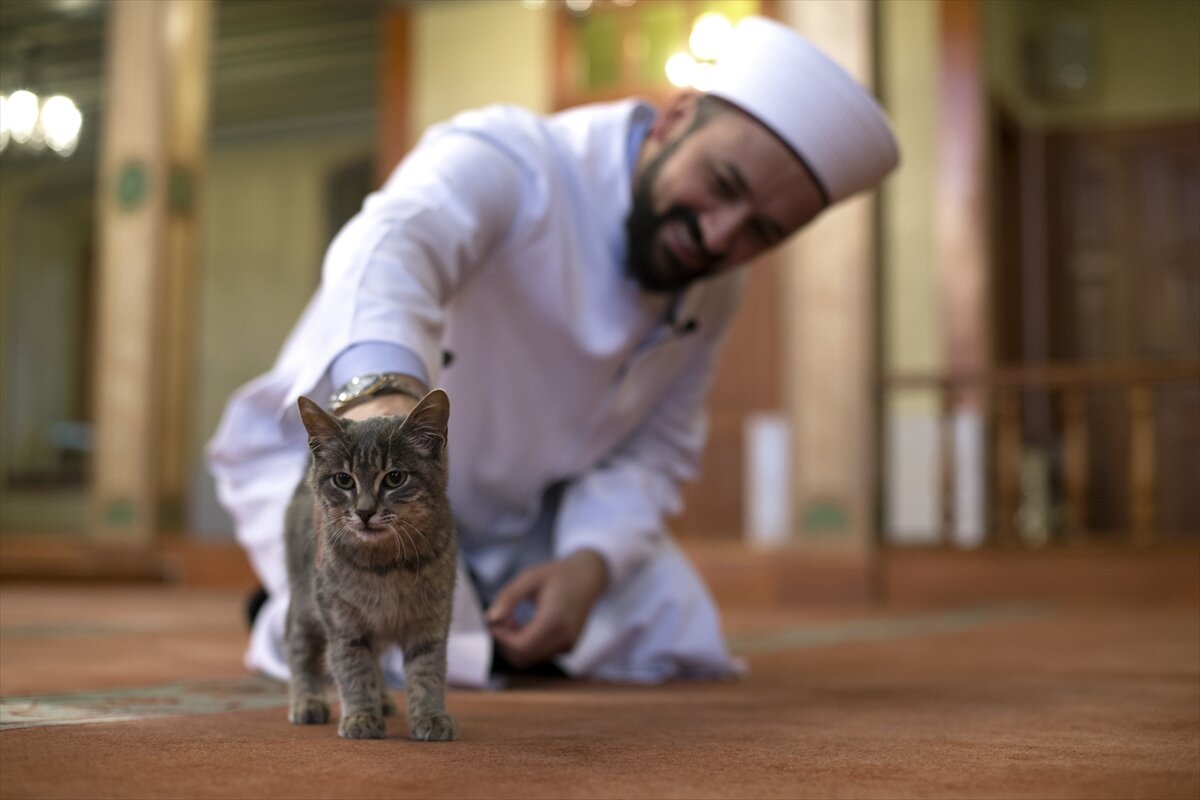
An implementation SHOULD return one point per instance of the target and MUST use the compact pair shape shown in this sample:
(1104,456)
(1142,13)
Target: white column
(154,63)
(830,317)
(189,23)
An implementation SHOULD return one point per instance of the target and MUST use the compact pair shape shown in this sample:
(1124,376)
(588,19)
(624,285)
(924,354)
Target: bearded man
(569,280)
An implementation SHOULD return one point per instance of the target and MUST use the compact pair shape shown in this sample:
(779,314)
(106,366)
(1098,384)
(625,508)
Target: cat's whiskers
(334,529)
(326,530)
(400,541)
(410,529)
(408,526)
(398,527)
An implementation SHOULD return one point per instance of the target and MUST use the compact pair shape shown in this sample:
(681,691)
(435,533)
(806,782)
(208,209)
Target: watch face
(363,386)
(355,387)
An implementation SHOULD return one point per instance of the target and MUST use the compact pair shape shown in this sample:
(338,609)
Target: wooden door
(1119,234)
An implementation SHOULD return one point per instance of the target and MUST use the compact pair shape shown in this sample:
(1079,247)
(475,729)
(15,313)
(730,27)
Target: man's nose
(720,226)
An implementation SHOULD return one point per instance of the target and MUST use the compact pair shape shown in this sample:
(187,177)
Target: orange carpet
(139,692)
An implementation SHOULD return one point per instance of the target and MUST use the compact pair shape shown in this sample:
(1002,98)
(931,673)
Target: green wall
(1142,59)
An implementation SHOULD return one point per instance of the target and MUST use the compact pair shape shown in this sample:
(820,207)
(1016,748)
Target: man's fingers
(524,586)
(532,643)
(525,645)
(562,593)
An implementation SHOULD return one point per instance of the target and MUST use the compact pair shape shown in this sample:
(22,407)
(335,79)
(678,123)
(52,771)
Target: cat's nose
(365,516)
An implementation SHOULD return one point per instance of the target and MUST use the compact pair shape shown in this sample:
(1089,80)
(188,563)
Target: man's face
(712,197)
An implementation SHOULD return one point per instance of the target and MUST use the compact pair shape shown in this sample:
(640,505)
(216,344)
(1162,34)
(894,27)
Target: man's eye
(723,187)
(343,480)
(395,479)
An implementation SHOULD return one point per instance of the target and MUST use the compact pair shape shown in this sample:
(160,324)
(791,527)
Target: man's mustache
(689,219)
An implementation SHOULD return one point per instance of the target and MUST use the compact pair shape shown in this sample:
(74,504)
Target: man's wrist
(384,405)
(364,388)
(595,560)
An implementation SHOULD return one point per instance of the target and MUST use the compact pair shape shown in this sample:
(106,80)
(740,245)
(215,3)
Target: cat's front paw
(309,711)
(362,725)
(434,728)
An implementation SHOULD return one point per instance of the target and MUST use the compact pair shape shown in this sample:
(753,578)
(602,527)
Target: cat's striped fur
(371,561)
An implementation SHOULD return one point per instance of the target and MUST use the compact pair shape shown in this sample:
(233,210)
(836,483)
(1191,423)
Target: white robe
(501,241)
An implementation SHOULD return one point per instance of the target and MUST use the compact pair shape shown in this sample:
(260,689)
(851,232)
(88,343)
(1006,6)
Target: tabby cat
(371,561)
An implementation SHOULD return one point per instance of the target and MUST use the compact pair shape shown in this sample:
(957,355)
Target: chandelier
(32,124)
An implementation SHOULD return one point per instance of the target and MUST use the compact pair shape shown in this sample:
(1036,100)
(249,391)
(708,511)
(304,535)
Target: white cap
(830,121)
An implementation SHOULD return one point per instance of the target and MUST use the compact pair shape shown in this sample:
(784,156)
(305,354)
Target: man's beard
(641,230)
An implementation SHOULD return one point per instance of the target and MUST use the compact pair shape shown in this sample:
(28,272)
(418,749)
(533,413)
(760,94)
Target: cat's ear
(425,426)
(322,428)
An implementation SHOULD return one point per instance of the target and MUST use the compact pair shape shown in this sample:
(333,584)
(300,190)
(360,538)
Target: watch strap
(363,387)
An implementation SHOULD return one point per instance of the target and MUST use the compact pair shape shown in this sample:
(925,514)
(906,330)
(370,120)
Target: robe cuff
(374,358)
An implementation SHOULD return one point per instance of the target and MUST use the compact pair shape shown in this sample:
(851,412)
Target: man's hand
(381,405)
(563,593)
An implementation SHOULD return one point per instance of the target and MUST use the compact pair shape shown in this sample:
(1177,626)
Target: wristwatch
(364,387)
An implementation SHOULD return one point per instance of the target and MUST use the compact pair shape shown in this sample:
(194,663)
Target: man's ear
(676,116)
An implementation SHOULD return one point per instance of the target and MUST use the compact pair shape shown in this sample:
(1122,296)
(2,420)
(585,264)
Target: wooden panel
(1075,460)
(748,379)
(393,136)
(1119,459)
(1141,464)
(1124,276)
(961,192)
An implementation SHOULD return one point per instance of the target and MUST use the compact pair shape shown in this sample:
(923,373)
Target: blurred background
(998,353)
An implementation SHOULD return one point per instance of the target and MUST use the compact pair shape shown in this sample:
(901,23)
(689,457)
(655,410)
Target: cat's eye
(395,479)
(343,480)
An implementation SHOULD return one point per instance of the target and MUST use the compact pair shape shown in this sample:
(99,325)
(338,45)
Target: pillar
(830,318)
(155,128)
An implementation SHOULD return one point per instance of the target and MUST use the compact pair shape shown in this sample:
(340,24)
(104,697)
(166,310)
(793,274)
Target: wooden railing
(997,394)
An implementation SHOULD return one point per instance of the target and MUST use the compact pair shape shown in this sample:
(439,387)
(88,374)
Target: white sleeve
(391,271)
(618,508)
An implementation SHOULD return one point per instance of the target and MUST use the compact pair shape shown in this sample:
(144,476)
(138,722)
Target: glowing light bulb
(4,133)
(709,36)
(61,122)
(21,115)
(680,69)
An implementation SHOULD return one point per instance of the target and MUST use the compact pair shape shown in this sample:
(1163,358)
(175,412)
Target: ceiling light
(61,122)
(709,36)
(29,123)
(21,115)
(681,67)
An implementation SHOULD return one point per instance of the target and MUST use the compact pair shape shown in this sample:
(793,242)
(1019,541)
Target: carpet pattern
(144,702)
(139,692)
(185,698)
